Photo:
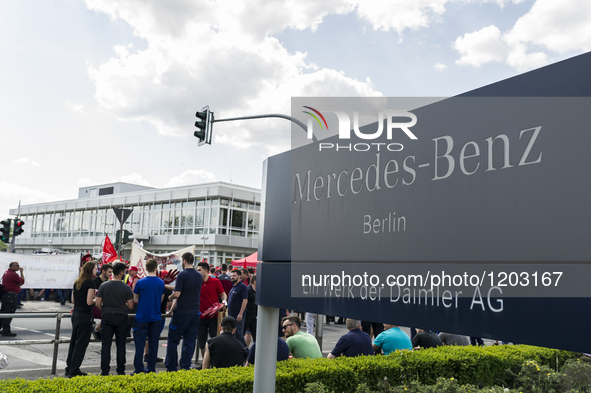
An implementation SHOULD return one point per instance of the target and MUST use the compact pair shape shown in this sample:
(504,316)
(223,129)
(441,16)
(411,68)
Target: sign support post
(266,350)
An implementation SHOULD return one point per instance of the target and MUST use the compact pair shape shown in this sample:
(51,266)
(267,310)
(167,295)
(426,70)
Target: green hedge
(481,366)
(469,365)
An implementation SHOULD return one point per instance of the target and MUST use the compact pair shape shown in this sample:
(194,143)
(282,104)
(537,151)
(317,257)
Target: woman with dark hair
(83,299)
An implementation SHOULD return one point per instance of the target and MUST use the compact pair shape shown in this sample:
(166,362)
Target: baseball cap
(229,322)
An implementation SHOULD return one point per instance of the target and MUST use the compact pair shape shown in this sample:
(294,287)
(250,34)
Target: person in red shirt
(132,276)
(211,293)
(245,277)
(11,286)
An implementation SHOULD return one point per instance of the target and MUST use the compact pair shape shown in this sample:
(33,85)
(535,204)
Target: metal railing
(56,340)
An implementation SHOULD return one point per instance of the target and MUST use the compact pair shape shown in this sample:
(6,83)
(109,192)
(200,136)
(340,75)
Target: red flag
(109,253)
(211,311)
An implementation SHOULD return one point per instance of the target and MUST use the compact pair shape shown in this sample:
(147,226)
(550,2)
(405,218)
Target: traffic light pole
(12,243)
(292,119)
(120,251)
(14,234)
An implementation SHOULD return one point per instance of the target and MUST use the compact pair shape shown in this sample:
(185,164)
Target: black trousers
(366,326)
(117,324)
(251,324)
(8,307)
(206,327)
(81,329)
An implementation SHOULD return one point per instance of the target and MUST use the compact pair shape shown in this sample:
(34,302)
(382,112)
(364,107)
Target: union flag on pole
(109,253)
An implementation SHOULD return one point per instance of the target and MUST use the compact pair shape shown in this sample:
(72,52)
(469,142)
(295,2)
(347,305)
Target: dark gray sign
(488,179)
(122,214)
(479,226)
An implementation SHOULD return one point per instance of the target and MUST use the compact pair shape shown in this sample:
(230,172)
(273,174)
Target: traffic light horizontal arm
(294,120)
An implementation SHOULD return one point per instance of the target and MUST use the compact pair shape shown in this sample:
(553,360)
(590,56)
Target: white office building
(220,219)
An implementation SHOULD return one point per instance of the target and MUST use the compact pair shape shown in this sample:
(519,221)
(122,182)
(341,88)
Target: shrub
(490,366)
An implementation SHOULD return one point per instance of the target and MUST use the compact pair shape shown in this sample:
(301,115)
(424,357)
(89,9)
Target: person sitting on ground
(282,352)
(301,345)
(453,339)
(426,339)
(354,343)
(391,339)
(40,294)
(224,350)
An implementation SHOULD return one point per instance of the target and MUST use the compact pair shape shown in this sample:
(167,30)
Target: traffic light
(5,230)
(18,227)
(204,126)
(126,235)
(118,240)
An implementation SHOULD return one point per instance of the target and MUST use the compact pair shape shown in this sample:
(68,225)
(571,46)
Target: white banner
(45,271)
(165,261)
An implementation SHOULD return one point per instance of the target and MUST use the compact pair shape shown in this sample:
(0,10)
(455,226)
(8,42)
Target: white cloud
(519,59)
(559,26)
(85,182)
(549,26)
(11,194)
(223,54)
(133,178)
(481,47)
(502,3)
(440,66)
(25,160)
(398,15)
(219,54)
(191,177)
(77,108)
(256,19)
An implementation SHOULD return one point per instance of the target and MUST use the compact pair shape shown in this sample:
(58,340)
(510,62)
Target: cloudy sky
(98,91)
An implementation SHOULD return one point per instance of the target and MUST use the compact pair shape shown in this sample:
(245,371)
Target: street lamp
(204,238)
(49,241)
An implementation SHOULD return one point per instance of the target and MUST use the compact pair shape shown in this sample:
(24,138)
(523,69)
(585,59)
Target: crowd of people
(199,300)
(210,308)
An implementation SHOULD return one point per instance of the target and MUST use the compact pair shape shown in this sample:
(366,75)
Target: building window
(253,222)
(155,217)
(238,219)
(106,191)
(166,220)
